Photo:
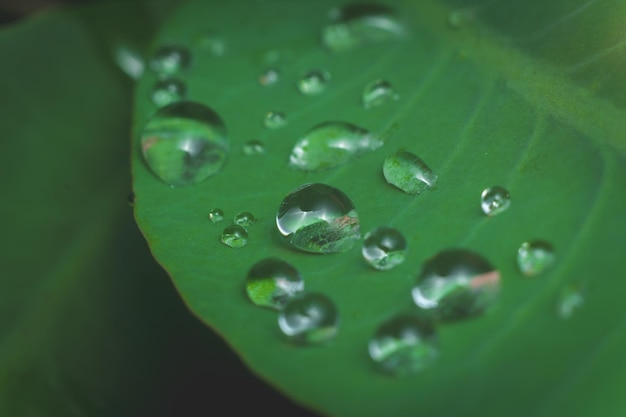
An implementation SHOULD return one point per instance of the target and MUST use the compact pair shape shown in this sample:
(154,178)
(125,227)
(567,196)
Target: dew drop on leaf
(269,77)
(331,144)
(244,219)
(377,93)
(253,147)
(534,257)
(234,236)
(272,283)
(168,91)
(184,143)
(318,218)
(408,172)
(170,60)
(494,200)
(404,346)
(456,284)
(313,82)
(274,120)
(309,319)
(569,300)
(216,215)
(384,248)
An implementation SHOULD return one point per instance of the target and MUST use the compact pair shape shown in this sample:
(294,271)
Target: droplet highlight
(269,77)
(534,257)
(253,147)
(272,283)
(234,236)
(332,144)
(170,60)
(384,248)
(494,200)
(274,120)
(244,219)
(216,215)
(310,319)
(313,82)
(456,284)
(361,24)
(377,93)
(404,346)
(184,143)
(318,218)
(408,172)
(168,91)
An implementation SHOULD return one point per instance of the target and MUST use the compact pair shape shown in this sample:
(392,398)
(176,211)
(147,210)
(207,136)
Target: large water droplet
(384,248)
(253,147)
(494,200)
(404,346)
(170,60)
(244,219)
(216,215)
(274,120)
(331,144)
(313,82)
(534,257)
(269,77)
(318,218)
(184,143)
(359,24)
(377,93)
(456,284)
(309,319)
(569,300)
(168,91)
(408,172)
(234,236)
(272,283)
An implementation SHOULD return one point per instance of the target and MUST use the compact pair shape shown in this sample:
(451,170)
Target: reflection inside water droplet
(384,248)
(494,200)
(272,283)
(234,236)
(309,319)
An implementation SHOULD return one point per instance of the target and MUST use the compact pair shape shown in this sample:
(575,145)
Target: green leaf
(526,96)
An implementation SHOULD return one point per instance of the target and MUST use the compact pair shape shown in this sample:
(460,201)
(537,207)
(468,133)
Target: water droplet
(184,143)
(494,200)
(131,199)
(569,300)
(129,60)
(404,346)
(377,93)
(216,215)
(253,147)
(384,248)
(313,82)
(309,319)
(244,219)
(331,144)
(360,24)
(408,172)
(272,283)
(534,257)
(456,284)
(318,218)
(168,91)
(234,236)
(212,42)
(269,77)
(170,60)
(274,120)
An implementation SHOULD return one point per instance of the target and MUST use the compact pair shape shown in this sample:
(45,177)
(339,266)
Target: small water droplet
(272,283)
(534,257)
(216,215)
(170,60)
(331,144)
(456,284)
(318,218)
(311,318)
(234,236)
(360,24)
(494,200)
(408,172)
(377,93)
(404,346)
(253,147)
(384,248)
(212,42)
(274,120)
(244,219)
(313,82)
(269,77)
(131,199)
(184,143)
(168,91)
(569,300)
(129,60)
